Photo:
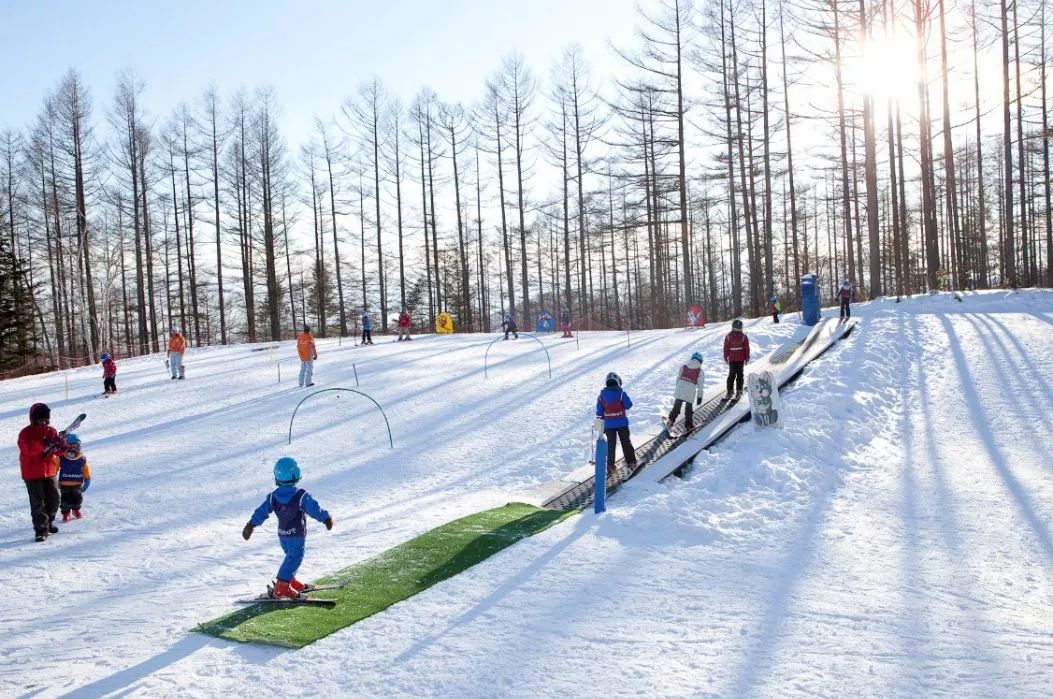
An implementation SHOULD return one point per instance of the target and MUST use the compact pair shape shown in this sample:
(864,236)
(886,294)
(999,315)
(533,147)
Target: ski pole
(356,373)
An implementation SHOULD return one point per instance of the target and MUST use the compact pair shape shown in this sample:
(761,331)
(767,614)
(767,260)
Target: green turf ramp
(376,584)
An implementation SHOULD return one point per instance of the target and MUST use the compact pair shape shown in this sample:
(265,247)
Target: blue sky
(313,53)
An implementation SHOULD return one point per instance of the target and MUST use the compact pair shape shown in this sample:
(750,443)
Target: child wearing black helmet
(290,505)
(610,417)
(736,354)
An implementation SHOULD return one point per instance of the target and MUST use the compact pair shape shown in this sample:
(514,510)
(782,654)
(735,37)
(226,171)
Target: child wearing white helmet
(290,505)
(688,392)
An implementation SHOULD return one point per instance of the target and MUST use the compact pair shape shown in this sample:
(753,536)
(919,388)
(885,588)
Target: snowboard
(764,399)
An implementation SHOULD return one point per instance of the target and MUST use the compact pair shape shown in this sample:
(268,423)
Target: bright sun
(888,69)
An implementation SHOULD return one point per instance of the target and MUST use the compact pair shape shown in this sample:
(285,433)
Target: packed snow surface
(895,539)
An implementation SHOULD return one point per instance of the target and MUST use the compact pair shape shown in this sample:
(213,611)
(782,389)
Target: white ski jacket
(687,390)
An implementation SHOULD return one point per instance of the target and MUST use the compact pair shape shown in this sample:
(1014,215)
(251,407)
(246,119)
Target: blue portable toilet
(810,299)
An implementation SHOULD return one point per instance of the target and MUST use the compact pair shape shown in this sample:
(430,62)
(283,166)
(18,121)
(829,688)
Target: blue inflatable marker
(810,312)
(600,500)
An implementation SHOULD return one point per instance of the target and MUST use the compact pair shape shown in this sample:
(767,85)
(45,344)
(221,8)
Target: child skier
(610,417)
(846,295)
(509,326)
(308,354)
(109,375)
(564,322)
(774,307)
(74,478)
(404,323)
(290,505)
(39,449)
(689,384)
(176,348)
(736,354)
(367,328)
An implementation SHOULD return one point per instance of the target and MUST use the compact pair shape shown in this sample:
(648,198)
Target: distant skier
(290,505)
(611,406)
(74,478)
(39,449)
(109,375)
(176,348)
(564,322)
(846,295)
(736,354)
(367,328)
(308,353)
(774,307)
(509,326)
(404,325)
(688,393)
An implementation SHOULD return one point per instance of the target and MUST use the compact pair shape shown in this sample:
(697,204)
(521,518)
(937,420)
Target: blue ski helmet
(73,440)
(698,356)
(104,356)
(286,471)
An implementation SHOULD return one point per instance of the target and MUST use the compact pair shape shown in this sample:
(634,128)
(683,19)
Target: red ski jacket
(109,368)
(404,320)
(736,347)
(32,443)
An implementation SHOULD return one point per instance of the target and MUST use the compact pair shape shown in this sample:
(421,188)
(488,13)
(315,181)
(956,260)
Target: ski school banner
(695,317)
(545,323)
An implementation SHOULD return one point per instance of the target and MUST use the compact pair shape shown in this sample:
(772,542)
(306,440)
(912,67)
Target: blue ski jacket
(284,494)
(611,406)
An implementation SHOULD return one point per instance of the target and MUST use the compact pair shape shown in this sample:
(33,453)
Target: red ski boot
(65,516)
(297,585)
(282,590)
(77,514)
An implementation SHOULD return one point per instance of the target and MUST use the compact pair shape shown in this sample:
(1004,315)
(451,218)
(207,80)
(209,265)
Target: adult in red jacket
(404,323)
(736,354)
(39,449)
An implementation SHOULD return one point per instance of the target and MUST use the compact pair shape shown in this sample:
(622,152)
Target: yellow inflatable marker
(444,324)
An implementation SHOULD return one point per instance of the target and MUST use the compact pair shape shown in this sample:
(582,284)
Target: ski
(315,588)
(265,599)
(62,435)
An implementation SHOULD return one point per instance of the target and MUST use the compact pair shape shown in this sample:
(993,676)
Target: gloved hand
(247,531)
(329,523)
(84,488)
(598,425)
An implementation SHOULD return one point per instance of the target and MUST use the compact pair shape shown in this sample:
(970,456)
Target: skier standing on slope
(39,449)
(774,307)
(509,326)
(367,328)
(611,406)
(308,353)
(689,384)
(109,375)
(404,323)
(736,354)
(846,295)
(290,505)
(564,322)
(74,478)
(176,348)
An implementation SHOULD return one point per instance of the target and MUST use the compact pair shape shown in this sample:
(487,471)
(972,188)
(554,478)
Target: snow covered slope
(894,538)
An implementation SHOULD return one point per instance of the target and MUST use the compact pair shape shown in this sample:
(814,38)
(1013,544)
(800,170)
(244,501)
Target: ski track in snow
(895,539)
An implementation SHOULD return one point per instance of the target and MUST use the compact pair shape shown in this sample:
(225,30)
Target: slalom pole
(599,501)
(356,372)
